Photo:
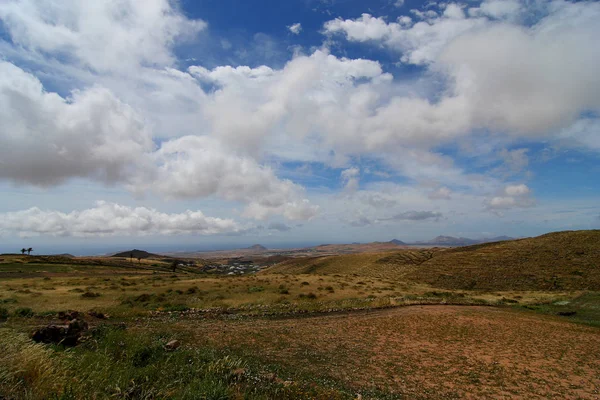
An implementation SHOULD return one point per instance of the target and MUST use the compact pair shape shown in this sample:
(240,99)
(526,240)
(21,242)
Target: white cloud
(419,43)
(350,178)
(110,219)
(138,121)
(192,166)
(295,28)
(498,9)
(512,196)
(552,83)
(46,139)
(516,190)
(584,132)
(442,193)
(103,35)
(399,3)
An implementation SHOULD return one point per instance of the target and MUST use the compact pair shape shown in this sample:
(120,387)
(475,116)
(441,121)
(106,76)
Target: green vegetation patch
(116,363)
(583,309)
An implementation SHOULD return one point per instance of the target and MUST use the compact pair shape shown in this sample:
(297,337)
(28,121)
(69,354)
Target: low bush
(25,312)
(90,295)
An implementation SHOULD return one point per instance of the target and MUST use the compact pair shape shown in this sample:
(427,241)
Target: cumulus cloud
(418,42)
(111,219)
(350,178)
(205,132)
(498,9)
(125,33)
(295,28)
(193,166)
(512,196)
(46,139)
(548,89)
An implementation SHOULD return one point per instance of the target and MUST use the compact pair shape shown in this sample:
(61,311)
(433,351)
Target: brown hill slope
(377,265)
(555,261)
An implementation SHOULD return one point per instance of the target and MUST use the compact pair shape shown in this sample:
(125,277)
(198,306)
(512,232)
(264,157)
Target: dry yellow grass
(388,265)
(27,370)
(557,261)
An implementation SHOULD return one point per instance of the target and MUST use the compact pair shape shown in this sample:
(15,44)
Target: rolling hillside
(377,265)
(555,261)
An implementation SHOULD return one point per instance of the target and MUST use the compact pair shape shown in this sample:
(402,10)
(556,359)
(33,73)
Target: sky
(208,124)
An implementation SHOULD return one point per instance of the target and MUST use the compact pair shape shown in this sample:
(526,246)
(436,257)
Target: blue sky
(217,124)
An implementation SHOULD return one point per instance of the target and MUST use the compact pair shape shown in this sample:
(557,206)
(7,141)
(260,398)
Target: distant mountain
(461,241)
(257,247)
(398,242)
(135,254)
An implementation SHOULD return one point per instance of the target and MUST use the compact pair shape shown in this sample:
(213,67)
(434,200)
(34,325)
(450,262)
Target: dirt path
(426,351)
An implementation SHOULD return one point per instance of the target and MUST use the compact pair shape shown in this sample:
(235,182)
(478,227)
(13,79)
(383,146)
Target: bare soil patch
(426,351)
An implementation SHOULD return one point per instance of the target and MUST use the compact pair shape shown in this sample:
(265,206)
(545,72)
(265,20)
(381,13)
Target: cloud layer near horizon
(110,219)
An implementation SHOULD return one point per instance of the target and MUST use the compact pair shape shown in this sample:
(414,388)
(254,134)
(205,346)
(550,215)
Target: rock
(68,335)
(68,315)
(98,314)
(173,345)
(269,377)
(567,313)
(50,334)
(77,326)
(239,373)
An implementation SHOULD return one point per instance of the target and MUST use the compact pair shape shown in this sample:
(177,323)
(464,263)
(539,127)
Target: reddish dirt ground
(430,352)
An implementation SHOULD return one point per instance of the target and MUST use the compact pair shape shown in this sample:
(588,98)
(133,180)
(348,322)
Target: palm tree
(23,250)
(29,250)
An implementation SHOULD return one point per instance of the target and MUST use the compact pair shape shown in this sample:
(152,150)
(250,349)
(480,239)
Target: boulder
(68,315)
(98,314)
(173,345)
(68,335)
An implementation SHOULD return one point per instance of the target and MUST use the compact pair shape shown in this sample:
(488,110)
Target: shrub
(3,313)
(24,312)
(256,289)
(310,296)
(89,295)
(176,307)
